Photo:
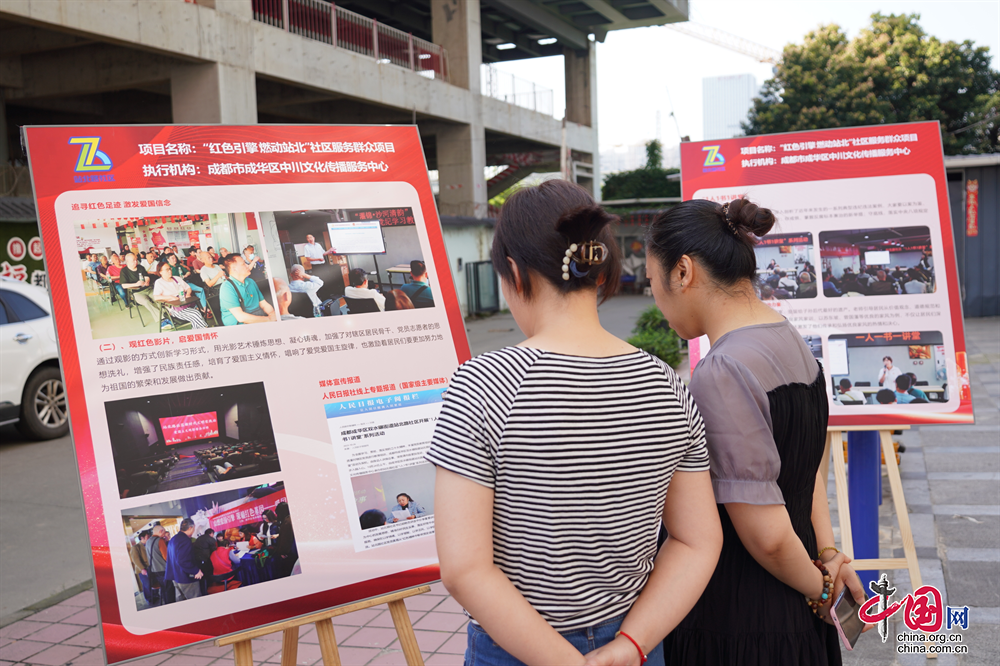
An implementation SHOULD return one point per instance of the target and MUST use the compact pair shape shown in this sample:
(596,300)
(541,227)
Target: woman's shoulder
(500,360)
(774,354)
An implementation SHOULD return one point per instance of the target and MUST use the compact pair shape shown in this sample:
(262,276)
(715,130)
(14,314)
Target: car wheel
(44,413)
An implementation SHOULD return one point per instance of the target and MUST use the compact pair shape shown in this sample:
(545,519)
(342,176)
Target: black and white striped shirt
(579,453)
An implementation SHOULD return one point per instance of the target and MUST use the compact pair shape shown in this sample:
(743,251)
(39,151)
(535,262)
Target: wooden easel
(834,445)
(243,651)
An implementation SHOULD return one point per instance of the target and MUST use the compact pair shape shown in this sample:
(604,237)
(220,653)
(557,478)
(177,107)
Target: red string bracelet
(642,657)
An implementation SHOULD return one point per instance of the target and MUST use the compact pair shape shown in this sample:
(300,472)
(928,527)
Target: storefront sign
(874,287)
(306,372)
(21,253)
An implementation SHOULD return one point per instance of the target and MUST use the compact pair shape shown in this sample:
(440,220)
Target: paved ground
(950,477)
(43,532)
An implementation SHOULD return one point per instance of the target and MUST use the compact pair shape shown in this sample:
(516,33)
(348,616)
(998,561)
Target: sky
(645,70)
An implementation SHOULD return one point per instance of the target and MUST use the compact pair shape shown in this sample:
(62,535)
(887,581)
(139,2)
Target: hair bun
(748,216)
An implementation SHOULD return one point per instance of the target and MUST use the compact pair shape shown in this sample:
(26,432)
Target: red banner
(193,240)
(246,513)
(971,208)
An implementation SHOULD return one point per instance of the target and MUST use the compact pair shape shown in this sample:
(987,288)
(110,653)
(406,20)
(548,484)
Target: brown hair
(403,301)
(538,224)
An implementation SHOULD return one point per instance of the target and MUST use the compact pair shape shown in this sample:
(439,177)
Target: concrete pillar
(581,100)
(455,25)
(4,139)
(461,159)
(581,86)
(461,149)
(213,93)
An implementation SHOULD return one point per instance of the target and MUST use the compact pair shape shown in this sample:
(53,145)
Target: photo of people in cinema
(877,262)
(176,272)
(338,262)
(210,544)
(394,496)
(888,368)
(191,438)
(784,266)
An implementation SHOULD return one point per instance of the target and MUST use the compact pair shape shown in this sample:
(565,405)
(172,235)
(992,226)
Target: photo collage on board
(871,367)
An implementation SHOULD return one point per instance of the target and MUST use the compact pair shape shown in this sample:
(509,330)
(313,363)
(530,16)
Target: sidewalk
(950,476)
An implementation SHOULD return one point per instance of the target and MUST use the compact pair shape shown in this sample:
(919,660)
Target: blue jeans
(147,591)
(200,293)
(482,651)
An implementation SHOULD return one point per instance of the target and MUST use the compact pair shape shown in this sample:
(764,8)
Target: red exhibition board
(306,371)
(861,260)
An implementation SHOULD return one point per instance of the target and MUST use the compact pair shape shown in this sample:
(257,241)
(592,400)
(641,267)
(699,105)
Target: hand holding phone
(845,618)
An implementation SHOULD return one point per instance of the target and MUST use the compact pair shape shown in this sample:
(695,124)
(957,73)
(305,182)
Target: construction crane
(727,40)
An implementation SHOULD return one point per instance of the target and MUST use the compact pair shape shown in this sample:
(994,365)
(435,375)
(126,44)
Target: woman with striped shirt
(559,458)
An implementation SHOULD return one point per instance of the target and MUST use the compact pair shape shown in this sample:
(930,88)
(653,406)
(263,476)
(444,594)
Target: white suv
(32,394)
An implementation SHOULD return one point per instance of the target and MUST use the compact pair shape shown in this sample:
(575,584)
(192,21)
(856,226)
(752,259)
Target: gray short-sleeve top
(731,386)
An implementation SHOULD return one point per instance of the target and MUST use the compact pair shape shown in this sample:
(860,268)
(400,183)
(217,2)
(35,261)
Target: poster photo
(861,261)
(252,340)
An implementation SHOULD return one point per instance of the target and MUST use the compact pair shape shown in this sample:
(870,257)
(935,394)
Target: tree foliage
(653,334)
(892,72)
(648,182)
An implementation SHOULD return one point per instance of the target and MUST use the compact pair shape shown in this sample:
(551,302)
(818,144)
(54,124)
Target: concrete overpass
(277,61)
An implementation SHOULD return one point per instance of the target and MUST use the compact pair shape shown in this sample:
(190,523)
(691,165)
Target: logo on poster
(714,160)
(91,160)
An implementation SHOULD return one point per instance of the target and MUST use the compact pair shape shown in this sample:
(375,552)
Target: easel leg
(290,647)
(902,514)
(243,653)
(835,443)
(407,639)
(327,643)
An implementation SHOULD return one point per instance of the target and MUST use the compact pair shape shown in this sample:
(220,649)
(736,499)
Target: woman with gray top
(764,401)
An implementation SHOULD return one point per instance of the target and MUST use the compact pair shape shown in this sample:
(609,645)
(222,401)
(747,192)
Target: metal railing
(511,89)
(325,22)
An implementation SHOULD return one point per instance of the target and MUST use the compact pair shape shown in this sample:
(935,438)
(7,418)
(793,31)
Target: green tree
(648,182)
(501,198)
(892,72)
(653,334)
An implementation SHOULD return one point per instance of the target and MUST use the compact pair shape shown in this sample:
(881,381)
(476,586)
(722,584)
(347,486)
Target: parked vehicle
(32,393)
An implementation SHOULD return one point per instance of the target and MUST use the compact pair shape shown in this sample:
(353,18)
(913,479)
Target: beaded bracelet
(819,555)
(815,604)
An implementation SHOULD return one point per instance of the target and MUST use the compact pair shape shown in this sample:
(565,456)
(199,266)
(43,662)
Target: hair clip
(725,215)
(591,252)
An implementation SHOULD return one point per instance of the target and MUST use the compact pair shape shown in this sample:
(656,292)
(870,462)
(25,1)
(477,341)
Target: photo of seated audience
(192,438)
(394,496)
(877,262)
(209,544)
(159,274)
(888,368)
(784,266)
(378,266)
